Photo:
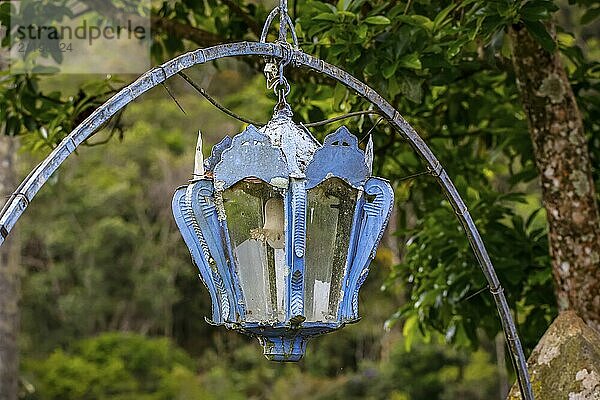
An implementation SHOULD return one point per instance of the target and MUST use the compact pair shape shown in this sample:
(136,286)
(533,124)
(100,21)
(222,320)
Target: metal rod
(28,188)
(283,13)
(413,176)
(172,96)
(371,130)
(267,25)
(215,103)
(341,117)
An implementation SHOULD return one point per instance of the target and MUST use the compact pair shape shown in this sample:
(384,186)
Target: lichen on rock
(565,365)
(590,383)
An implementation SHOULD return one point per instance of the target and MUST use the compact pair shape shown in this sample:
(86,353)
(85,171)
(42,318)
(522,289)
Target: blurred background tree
(101,254)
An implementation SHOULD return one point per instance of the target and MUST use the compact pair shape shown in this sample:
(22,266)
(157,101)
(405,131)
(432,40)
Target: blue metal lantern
(282,230)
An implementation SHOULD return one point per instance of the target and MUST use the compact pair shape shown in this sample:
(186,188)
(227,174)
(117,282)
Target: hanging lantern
(282,230)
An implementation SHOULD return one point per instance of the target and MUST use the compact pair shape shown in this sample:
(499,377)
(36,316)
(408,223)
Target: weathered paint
(252,156)
(27,190)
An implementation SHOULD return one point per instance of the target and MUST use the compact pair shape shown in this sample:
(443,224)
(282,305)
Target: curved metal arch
(20,199)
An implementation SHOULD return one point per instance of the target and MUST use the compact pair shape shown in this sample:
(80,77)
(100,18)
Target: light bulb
(274,223)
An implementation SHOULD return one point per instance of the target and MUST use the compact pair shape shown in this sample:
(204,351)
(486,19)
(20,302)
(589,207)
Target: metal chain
(274,69)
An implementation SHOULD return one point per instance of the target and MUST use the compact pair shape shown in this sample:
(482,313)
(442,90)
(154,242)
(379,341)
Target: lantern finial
(199,159)
(369,154)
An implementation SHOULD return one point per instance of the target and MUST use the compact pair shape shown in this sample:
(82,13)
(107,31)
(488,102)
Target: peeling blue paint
(251,157)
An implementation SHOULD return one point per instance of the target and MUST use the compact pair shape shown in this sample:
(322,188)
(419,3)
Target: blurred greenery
(116,366)
(102,254)
(104,245)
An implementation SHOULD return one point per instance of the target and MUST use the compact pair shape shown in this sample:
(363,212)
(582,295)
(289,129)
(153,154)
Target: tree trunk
(562,157)
(9,283)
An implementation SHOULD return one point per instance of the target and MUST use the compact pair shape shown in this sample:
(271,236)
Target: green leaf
(532,217)
(323,7)
(377,20)
(411,88)
(410,331)
(539,33)
(475,31)
(325,17)
(339,94)
(346,14)
(417,20)
(5,14)
(393,90)
(371,69)
(342,5)
(389,70)
(361,32)
(354,54)
(590,15)
(440,18)
(45,69)
(410,61)
(538,10)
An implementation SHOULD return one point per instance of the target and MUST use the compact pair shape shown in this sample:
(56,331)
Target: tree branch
(251,22)
(199,36)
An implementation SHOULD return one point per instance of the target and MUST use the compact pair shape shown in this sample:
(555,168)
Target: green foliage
(103,252)
(115,366)
(103,242)
(448,292)
(127,366)
(451,93)
(447,68)
(434,372)
(48,117)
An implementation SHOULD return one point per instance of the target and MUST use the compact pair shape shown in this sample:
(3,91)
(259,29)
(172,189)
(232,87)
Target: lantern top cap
(295,141)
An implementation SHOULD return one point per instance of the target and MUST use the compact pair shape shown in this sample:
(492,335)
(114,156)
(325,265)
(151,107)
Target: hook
(285,24)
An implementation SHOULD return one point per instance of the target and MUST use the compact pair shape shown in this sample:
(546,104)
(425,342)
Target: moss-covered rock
(565,365)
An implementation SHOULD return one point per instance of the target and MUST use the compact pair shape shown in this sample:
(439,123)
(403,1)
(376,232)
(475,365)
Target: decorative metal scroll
(215,156)
(27,190)
(340,145)
(250,153)
(375,216)
(208,211)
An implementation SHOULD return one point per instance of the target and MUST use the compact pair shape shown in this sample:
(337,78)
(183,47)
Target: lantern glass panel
(330,215)
(255,219)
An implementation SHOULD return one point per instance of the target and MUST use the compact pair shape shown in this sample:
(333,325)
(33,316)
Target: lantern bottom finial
(282,342)
(283,348)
